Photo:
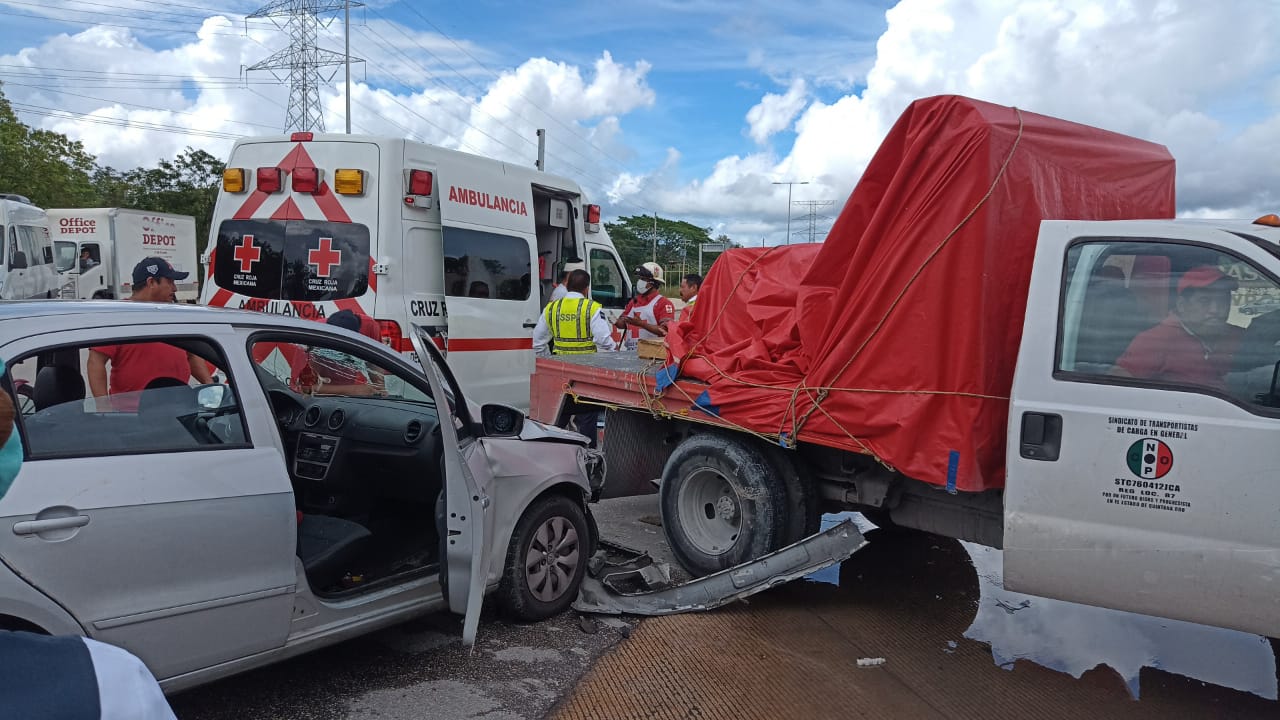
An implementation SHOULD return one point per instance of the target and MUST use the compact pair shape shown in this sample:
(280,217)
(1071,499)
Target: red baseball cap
(1202,276)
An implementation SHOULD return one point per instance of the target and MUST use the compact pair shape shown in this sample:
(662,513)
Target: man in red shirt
(136,365)
(647,315)
(1194,344)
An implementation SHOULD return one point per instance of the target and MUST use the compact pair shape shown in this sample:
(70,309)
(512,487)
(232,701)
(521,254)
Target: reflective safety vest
(569,320)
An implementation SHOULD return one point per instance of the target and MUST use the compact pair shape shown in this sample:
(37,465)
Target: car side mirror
(501,420)
(211,397)
(18,261)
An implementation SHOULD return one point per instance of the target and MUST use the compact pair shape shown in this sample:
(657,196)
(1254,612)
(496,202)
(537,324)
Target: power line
(118,122)
(95,23)
(144,107)
(495,76)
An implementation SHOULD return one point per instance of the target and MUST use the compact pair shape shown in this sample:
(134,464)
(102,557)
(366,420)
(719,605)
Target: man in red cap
(1194,344)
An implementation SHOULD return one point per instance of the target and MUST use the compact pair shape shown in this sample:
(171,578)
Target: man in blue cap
(136,365)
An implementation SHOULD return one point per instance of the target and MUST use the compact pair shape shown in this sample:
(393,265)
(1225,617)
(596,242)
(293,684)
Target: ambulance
(26,251)
(310,224)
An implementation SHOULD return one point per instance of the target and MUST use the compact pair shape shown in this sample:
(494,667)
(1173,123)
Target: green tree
(186,185)
(47,167)
(677,241)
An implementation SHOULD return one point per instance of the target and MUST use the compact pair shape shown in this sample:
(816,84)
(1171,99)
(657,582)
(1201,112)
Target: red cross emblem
(247,254)
(324,257)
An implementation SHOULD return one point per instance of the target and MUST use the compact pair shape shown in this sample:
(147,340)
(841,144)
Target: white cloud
(1195,76)
(775,112)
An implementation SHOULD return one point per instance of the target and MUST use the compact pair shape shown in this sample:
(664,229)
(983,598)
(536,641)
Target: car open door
(468,512)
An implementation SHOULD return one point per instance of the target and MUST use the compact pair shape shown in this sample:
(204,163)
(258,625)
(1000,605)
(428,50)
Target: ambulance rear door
(489,263)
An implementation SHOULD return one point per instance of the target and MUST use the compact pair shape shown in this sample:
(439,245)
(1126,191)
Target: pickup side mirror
(18,261)
(501,420)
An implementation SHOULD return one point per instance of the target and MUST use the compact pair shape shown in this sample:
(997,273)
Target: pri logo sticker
(1150,459)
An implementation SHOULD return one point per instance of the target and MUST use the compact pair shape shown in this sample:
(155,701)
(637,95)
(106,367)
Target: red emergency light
(593,213)
(301,136)
(270,179)
(420,182)
(306,180)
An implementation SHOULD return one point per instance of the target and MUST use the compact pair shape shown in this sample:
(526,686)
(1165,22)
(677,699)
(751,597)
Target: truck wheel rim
(552,559)
(710,511)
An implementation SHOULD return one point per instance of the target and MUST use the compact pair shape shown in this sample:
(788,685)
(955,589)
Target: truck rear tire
(723,503)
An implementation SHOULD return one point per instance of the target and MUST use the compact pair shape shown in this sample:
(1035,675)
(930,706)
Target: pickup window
(1160,312)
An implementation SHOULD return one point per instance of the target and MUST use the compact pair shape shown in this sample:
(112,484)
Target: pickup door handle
(1041,437)
(35,527)
(529,325)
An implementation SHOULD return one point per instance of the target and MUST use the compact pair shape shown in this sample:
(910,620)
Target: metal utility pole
(789,183)
(813,216)
(346,52)
(655,236)
(303,59)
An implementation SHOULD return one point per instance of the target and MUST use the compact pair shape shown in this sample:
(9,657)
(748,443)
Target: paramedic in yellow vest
(575,325)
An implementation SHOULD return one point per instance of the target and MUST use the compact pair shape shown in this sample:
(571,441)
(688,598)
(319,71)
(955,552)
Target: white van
(402,231)
(112,241)
(26,260)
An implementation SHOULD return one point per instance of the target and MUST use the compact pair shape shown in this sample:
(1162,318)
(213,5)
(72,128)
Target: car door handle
(1041,437)
(529,325)
(35,527)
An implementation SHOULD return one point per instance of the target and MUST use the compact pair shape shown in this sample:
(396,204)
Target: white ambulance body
(116,240)
(26,253)
(402,231)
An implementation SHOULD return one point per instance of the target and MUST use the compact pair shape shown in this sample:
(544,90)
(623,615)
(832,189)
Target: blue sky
(689,109)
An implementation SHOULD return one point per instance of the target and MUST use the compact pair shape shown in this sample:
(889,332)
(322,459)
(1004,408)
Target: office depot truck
(993,344)
(97,249)
(465,246)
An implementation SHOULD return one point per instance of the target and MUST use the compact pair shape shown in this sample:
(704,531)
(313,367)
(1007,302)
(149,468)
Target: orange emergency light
(233,180)
(348,181)
(1271,219)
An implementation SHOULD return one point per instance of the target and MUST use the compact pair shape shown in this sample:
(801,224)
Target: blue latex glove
(11,451)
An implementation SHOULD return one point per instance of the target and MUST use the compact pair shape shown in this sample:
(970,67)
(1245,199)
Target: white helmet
(650,269)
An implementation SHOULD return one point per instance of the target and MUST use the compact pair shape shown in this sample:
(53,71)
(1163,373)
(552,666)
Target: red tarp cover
(913,328)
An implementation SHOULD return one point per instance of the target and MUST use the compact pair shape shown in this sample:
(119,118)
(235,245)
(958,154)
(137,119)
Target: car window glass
(608,284)
(1162,312)
(152,403)
(479,264)
(66,256)
(318,370)
(34,241)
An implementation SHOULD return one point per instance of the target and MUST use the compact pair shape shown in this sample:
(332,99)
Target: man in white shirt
(562,288)
(689,286)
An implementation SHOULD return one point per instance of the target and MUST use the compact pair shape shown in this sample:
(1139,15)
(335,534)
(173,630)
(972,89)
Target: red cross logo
(324,257)
(247,254)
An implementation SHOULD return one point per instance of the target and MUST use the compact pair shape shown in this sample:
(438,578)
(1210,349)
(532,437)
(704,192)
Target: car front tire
(546,559)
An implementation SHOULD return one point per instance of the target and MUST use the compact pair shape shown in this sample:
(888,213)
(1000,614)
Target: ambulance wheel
(546,559)
(723,503)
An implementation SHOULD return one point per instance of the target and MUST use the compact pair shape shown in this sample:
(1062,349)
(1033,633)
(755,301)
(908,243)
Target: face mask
(642,286)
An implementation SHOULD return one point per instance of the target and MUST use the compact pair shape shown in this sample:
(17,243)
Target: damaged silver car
(320,488)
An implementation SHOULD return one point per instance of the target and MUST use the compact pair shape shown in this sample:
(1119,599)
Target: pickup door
(1140,481)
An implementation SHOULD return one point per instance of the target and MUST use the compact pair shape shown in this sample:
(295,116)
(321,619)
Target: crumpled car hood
(540,431)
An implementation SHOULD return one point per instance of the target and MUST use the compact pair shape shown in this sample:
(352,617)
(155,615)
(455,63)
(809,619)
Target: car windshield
(309,369)
(65,255)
